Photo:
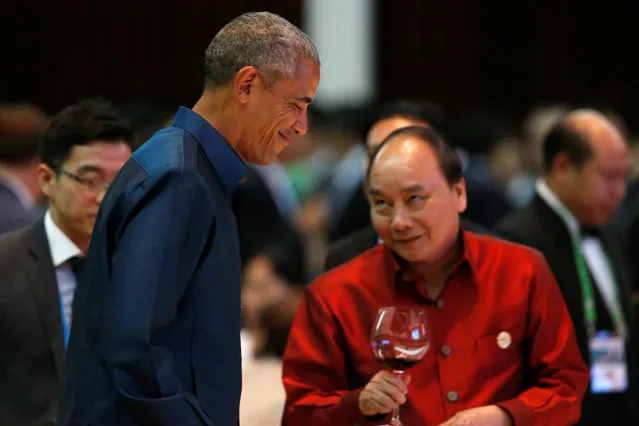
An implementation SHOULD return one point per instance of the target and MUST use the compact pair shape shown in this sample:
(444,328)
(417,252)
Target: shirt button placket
(452,396)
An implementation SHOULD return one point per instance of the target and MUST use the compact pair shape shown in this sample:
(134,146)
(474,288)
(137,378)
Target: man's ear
(244,83)
(561,162)
(459,188)
(46,179)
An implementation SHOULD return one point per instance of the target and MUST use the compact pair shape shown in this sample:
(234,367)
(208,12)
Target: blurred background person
(21,126)
(269,190)
(344,200)
(270,298)
(586,163)
(534,127)
(82,150)
(488,144)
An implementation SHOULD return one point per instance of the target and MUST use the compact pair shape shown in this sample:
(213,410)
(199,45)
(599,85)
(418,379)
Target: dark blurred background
(460,54)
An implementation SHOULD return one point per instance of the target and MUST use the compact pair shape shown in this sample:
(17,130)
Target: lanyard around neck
(587,294)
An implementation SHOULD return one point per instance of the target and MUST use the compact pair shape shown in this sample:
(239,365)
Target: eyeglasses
(95,186)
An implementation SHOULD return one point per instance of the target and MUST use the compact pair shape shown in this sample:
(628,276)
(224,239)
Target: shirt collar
(546,194)
(227,163)
(62,248)
(395,265)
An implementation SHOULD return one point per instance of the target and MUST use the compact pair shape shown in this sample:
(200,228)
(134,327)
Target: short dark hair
(87,121)
(428,112)
(563,139)
(264,40)
(448,159)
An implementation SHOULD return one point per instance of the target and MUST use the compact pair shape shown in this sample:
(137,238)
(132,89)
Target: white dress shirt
(591,247)
(62,250)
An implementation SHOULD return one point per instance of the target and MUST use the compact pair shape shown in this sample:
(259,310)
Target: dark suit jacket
(13,215)
(263,229)
(627,221)
(31,333)
(487,202)
(355,216)
(538,226)
(155,338)
(358,242)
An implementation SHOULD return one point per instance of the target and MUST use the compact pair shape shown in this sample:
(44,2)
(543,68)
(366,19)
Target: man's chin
(409,255)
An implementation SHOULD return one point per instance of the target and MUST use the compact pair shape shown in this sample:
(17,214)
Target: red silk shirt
(540,378)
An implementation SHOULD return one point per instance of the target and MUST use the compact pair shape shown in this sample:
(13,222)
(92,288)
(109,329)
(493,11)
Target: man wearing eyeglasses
(82,150)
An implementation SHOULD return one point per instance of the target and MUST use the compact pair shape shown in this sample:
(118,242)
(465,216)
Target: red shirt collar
(396,267)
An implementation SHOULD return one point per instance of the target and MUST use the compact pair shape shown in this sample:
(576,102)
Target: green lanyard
(583,274)
(590,311)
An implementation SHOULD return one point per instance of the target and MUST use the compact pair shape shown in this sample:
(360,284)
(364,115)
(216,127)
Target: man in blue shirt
(156,332)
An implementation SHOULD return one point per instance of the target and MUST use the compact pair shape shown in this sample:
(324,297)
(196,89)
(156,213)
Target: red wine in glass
(399,338)
(400,364)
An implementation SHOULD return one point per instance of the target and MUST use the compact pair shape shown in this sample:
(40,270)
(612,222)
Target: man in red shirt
(502,346)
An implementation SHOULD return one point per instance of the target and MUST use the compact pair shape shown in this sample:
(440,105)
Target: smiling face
(414,210)
(275,113)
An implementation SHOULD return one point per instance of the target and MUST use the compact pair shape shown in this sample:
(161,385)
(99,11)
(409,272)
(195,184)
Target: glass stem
(395,416)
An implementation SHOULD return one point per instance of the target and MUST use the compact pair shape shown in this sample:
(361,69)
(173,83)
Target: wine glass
(399,338)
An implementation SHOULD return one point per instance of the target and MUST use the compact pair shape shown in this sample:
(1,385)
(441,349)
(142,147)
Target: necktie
(77,265)
(589,231)
(66,295)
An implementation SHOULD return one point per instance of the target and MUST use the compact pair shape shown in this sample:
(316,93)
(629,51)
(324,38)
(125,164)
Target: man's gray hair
(264,40)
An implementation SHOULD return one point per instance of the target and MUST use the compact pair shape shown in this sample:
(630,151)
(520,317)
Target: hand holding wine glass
(383,393)
(400,339)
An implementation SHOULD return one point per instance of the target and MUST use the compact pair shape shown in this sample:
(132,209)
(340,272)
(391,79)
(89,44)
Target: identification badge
(608,371)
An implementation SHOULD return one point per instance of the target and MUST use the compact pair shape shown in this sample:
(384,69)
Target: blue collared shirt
(228,165)
(156,327)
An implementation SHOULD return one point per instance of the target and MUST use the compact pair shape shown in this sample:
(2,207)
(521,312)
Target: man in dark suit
(156,335)
(20,129)
(82,150)
(386,120)
(586,162)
